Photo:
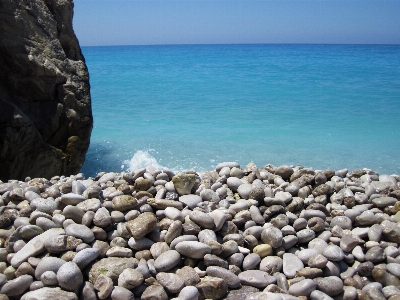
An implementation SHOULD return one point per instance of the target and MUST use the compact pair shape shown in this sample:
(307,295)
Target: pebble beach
(236,232)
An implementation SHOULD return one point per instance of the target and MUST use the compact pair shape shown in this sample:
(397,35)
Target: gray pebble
(302,288)
(167,260)
(256,278)
(333,253)
(70,277)
(291,264)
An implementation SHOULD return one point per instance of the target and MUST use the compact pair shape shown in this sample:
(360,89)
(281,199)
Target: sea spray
(141,159)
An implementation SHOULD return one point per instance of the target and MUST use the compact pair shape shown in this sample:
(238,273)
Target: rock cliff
(45,105)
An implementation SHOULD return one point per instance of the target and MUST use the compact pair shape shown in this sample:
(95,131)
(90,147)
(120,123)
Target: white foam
(141,159)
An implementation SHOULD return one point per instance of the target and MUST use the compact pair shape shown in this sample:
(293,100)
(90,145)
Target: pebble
(81,232)
(302,288)
(291,264)
(141,225)
(204,235)
(230,278)
(70,277)
(256,278)
(193,249)
(35,246)
(130,278)
(167,260)
(16,286)
(333,253)
(331,285)
(171,282)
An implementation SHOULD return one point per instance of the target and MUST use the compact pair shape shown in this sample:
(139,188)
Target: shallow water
(193,106)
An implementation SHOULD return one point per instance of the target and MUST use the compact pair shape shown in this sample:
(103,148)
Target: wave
(141,159)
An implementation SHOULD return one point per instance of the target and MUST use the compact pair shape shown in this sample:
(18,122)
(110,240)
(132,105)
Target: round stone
(272,236)
(167,260)
(70,277)
(331,285)
(342,221)
(333,253)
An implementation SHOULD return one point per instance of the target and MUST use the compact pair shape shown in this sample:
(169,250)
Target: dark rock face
(45,106)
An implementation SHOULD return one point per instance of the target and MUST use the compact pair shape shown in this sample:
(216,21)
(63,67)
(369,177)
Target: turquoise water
(193,106)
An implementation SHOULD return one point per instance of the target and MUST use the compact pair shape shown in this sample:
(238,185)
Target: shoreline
(235,232)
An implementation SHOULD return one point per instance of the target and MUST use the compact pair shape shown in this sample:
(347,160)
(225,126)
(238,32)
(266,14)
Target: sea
(190,107)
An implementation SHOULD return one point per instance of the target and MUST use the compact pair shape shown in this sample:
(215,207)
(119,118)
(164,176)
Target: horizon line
(238,44)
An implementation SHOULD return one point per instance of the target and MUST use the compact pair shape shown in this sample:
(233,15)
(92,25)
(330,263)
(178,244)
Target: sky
(149,22)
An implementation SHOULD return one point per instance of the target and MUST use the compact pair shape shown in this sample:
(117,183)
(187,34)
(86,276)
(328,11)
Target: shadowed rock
(45,115)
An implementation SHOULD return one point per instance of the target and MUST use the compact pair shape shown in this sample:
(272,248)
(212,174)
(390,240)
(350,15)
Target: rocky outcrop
(45,106)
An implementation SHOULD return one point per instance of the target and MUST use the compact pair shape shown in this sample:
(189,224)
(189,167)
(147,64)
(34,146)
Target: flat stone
(49,293)
(230,278)
(384,201)
(291,264)
(35,246)
(219,218)
(202,219)
(16,286)
(193,249)
(256,278)
(72,199)
(348,242)
(45,205)
(191,201)
(61,243)
(118,251)
(302,288)
(171,282)
(81,232)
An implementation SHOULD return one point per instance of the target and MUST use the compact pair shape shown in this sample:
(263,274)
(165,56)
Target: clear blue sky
(144,22)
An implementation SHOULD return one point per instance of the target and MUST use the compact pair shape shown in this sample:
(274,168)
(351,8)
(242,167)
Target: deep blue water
(193,106)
